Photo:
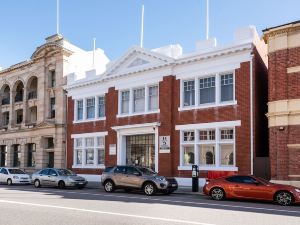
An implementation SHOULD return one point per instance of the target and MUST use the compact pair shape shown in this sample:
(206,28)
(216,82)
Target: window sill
(212,168)
(138,114)
(88,167)
(89,120)
(206,106)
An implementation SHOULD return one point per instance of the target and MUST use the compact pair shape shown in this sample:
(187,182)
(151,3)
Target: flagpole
(142,27)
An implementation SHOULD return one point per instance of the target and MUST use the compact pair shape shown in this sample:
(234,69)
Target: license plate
(81,183)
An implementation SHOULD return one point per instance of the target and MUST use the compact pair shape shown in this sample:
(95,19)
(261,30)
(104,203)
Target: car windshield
(63,172)
(16,171)
(147,171)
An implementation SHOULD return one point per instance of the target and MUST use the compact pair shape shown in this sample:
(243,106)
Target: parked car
(137,178)
(58,178)
(250,187)
(13,176)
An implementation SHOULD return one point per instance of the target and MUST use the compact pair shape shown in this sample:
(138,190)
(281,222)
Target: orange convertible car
(250,187)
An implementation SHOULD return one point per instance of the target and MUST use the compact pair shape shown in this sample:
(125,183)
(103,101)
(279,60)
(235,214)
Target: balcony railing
(32,95)
(19,97)
(5,101)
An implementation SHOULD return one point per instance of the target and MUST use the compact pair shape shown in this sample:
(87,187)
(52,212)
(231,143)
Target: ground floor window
(208,148)
(31,152)
(3,155)
(89,151)
(16,155)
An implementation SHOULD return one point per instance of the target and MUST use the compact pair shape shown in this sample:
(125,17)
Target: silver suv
(136,177)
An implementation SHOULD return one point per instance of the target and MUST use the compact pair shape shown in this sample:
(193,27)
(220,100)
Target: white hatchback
(14,176)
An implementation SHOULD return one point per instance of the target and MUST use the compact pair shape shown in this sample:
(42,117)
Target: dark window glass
(52,172)
(131,170)
(248,180)
(120,169)
(44,172)
(235,179)
(52,108)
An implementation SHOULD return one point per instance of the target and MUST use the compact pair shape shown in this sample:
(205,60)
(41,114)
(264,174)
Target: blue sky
(116,23)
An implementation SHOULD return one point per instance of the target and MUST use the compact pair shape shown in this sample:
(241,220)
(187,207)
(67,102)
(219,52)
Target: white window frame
(217,102)
(217,126)
(84,119)
(131,101)
(95,147)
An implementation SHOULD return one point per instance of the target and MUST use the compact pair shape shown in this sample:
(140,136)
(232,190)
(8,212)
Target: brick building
(284,101)
(167,110)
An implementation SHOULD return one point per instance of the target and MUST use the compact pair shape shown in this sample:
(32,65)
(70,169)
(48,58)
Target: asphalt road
(25,205)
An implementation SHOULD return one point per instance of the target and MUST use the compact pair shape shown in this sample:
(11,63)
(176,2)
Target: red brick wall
(281,84)
(169,101)
(284,160)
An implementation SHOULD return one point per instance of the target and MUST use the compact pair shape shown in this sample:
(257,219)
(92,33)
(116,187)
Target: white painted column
(217,150)
(197,94)
(156,150)
(131,101)
(84,109)
(196,148)
(218,89)
(146,98)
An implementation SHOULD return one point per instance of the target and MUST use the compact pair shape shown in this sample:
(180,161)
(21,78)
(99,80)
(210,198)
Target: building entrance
(140,150)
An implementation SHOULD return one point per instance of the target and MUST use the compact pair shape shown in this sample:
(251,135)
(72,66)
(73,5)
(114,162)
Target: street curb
(179,191)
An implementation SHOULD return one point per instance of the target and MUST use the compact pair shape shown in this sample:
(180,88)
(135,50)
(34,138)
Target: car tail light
(207,181)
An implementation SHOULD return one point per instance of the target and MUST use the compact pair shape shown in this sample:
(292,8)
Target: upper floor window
(211,90)
(125,95)
(188,136)
(52,79)
(52,107)
(206,135)
(79,109)
(153,97)
(207,90)
(90,108)
(227,87)
(189,93)
(139,100)
(101,106)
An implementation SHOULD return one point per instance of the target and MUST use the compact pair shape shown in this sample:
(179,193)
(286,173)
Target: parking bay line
(105,212)
(173,201)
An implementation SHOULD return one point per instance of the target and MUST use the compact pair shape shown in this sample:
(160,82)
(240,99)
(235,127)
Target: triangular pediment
(137,59)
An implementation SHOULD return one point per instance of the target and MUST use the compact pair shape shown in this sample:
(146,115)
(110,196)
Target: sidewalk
(181,189)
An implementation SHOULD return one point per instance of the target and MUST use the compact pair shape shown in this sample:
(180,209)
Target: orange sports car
(250,187)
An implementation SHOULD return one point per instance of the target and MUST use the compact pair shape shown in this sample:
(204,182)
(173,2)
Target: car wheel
(61,185)
(109,186)
(37,183)
(217,194)
(149,189)
(284,198)
(9,182)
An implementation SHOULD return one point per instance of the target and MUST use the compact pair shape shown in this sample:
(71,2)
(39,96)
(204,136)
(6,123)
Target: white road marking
(171,201)
(105,212)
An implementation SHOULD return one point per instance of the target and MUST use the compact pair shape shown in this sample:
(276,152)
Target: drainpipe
(251,112)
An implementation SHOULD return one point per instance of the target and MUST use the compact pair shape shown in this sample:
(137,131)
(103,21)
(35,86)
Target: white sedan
(14,176)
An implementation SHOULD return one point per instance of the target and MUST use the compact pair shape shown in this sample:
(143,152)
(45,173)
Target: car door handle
(236,185)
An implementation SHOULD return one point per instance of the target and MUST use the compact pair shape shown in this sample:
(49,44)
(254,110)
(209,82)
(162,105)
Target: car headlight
(160,178)
(298,190)
(70,179)
(15,177)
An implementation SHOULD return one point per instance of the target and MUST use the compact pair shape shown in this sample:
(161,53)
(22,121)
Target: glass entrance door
(3,155)
(140,150)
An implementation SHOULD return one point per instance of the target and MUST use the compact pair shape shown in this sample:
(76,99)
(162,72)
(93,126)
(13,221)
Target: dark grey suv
(136,177)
